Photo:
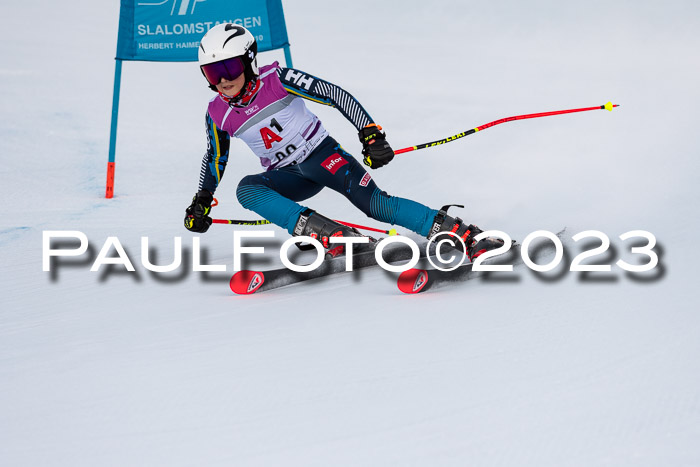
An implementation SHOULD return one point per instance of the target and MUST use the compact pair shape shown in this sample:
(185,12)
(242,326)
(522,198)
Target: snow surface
(115,368)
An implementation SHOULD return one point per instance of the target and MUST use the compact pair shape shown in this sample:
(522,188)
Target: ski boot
(321,228)
(444,223)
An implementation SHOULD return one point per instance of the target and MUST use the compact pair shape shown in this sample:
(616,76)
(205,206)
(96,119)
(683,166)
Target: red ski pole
(240,222)
(265,222)
(609,106)
(215,202)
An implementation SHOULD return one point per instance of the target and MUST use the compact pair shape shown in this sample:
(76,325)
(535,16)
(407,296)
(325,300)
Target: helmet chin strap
(245,95)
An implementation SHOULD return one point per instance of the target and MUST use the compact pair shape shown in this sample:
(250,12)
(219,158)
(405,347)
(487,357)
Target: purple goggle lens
(231,68)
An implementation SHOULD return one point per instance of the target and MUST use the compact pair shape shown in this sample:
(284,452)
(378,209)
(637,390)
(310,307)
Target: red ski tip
(246,282)
(413,280)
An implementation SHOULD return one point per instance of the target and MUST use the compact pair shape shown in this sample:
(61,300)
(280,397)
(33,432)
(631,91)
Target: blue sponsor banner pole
(288,57)
(109,192)
(170,30)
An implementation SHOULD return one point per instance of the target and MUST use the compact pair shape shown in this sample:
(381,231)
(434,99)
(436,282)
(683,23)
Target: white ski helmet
(223,42)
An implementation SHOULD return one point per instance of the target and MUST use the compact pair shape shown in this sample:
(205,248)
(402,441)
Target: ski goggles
(231,68)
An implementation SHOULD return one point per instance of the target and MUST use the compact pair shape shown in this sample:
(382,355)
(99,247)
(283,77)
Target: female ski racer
(264,106)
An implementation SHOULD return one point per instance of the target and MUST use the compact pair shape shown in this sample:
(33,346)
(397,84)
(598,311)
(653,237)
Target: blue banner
(170,30)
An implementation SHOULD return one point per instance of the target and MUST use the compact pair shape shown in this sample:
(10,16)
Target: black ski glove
(196,218)
(376,150)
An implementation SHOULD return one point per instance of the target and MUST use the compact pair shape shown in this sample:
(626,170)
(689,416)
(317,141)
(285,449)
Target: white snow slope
(116,368)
